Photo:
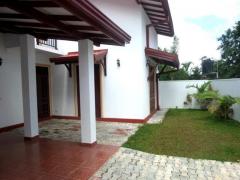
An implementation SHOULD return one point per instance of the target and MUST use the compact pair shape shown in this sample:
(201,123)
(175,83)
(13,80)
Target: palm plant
(205,94)
(221,106)
(210,99)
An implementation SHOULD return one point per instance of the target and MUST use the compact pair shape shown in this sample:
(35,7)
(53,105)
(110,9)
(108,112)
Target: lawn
(190,133)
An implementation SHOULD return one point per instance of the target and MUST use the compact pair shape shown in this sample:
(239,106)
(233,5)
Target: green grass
(190,133)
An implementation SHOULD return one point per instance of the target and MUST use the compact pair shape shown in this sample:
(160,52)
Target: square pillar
(29,90)
(87,92)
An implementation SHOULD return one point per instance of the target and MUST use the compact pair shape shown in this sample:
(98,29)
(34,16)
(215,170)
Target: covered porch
(36,157)
(108,133)
(46,159)
(72,20)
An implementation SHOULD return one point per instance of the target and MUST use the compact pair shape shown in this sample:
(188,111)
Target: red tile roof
(72,57)
(162,57)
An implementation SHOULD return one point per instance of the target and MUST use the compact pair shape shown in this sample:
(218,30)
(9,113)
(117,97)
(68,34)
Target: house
(108,73)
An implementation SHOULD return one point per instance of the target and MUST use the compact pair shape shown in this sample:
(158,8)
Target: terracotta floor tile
(82,174)
(48,159)
(51,177)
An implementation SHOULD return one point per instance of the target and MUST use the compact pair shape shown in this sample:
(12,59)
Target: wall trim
(35,138)
(125,120)
(15,126)
(89,144)
(120,120)
(44,119)
(150,115)
(65,117)
(11,127)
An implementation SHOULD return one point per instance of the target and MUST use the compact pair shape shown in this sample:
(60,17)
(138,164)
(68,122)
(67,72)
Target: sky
(198,24)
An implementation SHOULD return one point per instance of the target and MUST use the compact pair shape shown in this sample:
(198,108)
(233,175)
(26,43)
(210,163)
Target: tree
(181,74)
(186,66)
(185,72)
(174,48)
(175,45)
(196,73)
(230,51)
(222,69)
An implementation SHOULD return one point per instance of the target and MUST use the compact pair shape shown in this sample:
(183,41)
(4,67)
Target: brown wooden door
(152,91)
(42,76)
(97,79)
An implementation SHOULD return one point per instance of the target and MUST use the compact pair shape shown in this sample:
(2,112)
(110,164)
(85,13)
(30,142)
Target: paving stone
(146,166)
(109,133)
(158,117)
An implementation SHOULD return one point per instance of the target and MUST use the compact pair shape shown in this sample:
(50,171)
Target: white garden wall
(172,94)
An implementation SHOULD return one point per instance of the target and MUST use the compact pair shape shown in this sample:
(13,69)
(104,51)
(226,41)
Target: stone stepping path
(132,164)
(158,117)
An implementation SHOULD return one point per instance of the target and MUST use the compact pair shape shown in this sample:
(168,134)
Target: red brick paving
(44,159)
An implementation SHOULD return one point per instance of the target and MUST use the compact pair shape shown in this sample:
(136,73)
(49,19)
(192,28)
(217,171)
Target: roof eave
(163,57)
(168,30)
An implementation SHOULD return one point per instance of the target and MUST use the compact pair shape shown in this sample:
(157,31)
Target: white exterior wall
(172,94)
(63,92)
(11,105)
(63,47)
(125,89)
(67,46)
(63,89)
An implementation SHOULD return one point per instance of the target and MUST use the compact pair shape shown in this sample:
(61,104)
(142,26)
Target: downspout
(157,89)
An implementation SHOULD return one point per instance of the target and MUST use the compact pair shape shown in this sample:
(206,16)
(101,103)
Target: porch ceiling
(60,19)
(159,14)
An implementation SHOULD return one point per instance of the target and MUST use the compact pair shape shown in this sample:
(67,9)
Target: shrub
(221,106)
(211,100)
(204,95)
(202,88)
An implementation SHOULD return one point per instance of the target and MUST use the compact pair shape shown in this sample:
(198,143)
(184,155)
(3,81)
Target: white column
(87,92)
(29,92)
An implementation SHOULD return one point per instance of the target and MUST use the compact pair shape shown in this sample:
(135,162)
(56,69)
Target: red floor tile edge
(124,120)
(89,144)
(31,138)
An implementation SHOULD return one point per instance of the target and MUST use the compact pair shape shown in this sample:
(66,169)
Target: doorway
(97,81)
(43,100)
